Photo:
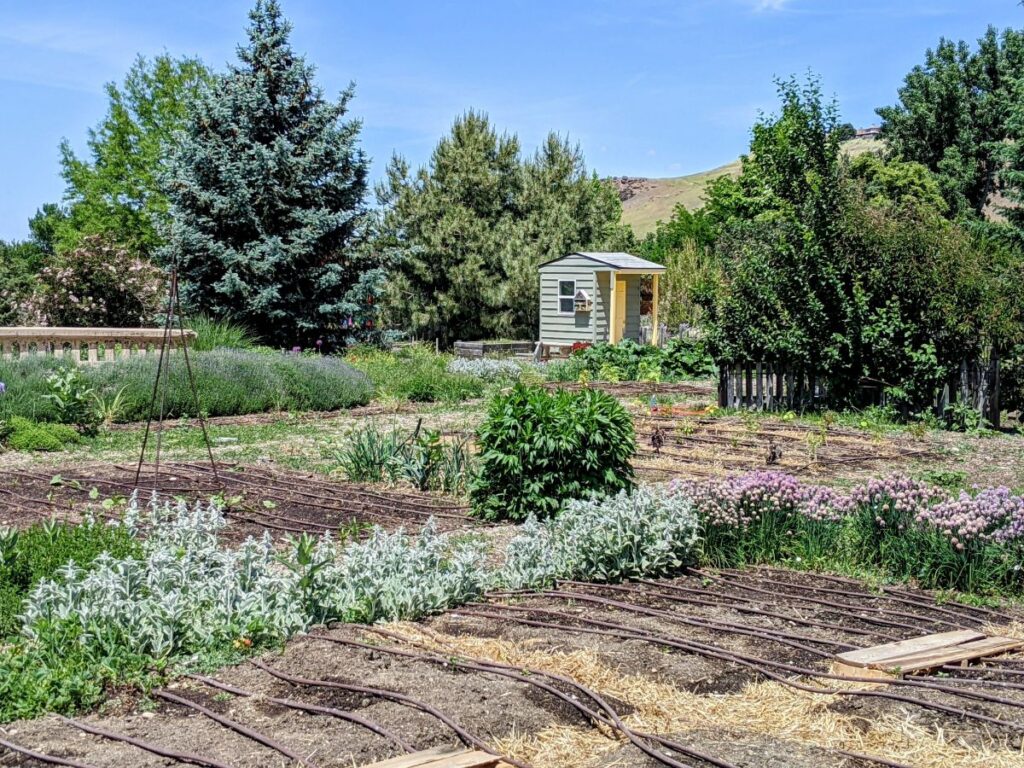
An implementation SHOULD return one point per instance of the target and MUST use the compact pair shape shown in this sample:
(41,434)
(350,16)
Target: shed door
(619,331)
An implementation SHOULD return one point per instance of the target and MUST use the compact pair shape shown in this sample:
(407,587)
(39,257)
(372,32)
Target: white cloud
(770,5)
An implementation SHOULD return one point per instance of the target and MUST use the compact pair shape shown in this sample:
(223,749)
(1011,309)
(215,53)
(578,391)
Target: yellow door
(619,331)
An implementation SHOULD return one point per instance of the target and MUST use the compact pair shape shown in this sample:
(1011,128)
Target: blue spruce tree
(267,191)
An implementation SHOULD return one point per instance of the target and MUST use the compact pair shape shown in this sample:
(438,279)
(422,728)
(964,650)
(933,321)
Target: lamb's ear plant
(649,533)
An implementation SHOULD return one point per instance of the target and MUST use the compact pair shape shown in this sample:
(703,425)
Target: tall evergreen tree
(468,231)
(445,228)
(267,191)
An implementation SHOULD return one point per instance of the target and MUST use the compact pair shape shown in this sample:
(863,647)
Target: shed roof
(612,260)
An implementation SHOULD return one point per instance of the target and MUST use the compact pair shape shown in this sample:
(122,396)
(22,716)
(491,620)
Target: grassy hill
(654,199)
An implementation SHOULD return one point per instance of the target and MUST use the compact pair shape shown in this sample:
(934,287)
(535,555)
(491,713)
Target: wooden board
(443,757)
(879,653)
(921,653)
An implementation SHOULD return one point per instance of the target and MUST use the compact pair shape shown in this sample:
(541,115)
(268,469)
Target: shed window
(566,297)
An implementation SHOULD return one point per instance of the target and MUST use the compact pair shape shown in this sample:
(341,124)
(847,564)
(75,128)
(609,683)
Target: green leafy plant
(539,449)
(26,435)
(73,399)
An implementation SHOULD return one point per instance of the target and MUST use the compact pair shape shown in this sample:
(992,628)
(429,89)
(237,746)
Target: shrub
(97,284)
(487,368)
(540,449)
(235,382)
(186,593)
(649,533)
(26,435)
(414,373)
(628,361)
(73,400)
(25,387)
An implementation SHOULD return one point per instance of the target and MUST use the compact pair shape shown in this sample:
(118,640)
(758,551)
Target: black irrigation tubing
(783,638)
(289,485)
(611,718)
(926,604)
(846,608)
(872,759)
(763,666)
(156,749)
(235,726)
(634,590)
(466,737)
(303,706)
(730,601)
(394,509)
(988,667)
(41,756)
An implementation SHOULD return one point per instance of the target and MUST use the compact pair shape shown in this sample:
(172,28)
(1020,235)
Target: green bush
(26,435)
(629,361)
(414,373)
(39,551)
(539,449)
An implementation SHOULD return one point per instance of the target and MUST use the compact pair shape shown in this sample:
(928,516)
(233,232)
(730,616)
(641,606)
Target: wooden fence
(87,346)
(770,387)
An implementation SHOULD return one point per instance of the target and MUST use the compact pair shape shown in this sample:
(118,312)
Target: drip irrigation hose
(466,737)
(303,706)
(764,666)
(156,749)
(526,675)
(41,756)
(235,726)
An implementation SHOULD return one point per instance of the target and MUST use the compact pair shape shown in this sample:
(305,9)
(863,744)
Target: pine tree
(445,228)
(468,231)
(267,195)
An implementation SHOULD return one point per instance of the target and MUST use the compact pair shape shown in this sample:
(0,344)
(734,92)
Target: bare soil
(697,694)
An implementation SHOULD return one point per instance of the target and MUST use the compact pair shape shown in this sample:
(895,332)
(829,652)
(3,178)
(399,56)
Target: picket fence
(772,387)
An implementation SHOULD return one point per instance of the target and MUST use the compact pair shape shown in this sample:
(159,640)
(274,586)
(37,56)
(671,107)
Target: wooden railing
(87,346)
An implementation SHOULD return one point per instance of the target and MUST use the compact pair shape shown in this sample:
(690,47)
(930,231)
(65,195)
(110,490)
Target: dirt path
(724,669)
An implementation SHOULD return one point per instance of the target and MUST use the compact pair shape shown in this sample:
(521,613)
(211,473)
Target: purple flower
(3,388)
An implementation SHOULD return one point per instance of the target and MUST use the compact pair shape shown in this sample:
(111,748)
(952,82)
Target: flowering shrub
(486,368)
(651,532)
(97,284)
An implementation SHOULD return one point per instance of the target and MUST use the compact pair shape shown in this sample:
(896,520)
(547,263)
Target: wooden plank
(849,670)
(442,757)
(416,758)
(880,653)
(978,649)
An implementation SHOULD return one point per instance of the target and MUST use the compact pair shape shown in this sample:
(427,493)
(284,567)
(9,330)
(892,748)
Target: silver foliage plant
(651,532)
(188,592)
(488,368)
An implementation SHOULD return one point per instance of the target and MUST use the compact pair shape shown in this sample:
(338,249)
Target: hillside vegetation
(655,199)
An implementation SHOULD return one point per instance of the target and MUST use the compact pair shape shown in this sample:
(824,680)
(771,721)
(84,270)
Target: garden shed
(593,297)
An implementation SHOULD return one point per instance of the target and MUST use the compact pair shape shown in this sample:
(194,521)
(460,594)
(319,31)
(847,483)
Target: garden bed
(260,498)
(685,666)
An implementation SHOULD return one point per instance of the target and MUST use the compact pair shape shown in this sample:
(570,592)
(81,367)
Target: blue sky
(648,87)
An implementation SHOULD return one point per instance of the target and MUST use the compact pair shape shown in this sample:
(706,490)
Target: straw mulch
(760,710)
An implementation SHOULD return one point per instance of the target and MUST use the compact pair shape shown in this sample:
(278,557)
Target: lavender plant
(649,532)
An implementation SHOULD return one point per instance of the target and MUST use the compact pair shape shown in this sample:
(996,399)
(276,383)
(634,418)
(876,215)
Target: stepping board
(922,653)
(443,757)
